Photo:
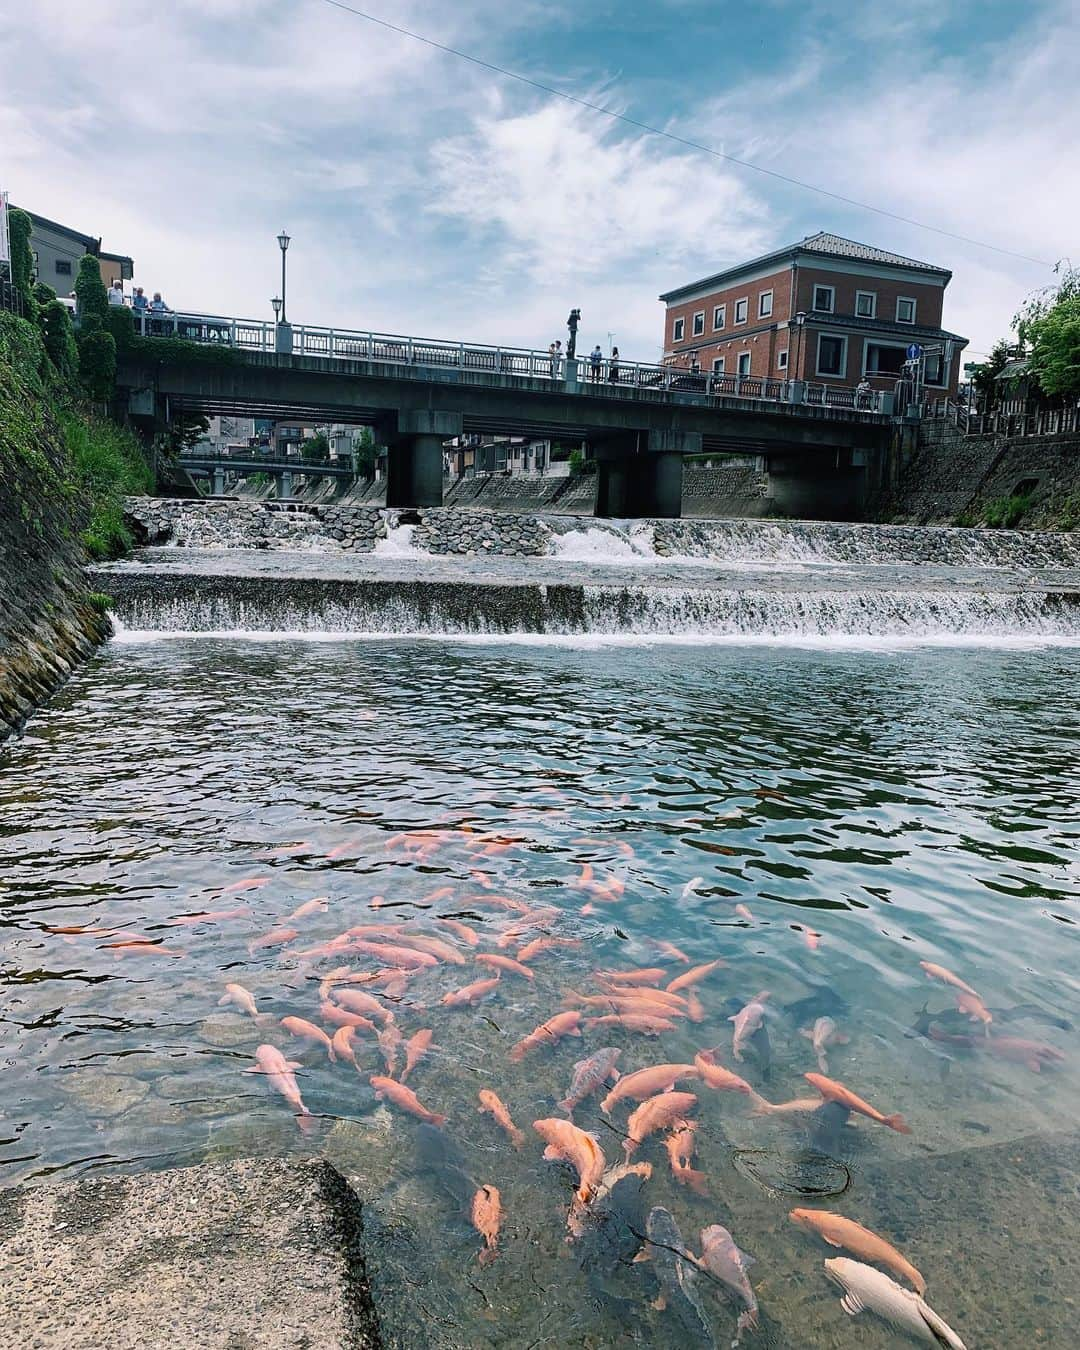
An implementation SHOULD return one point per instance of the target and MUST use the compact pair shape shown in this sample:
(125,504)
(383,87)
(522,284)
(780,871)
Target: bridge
(215,465)
(638,419)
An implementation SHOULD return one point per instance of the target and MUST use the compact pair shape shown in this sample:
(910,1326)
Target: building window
(905,310)
(882,359)
(63,267)
(699,323)
(764,305)
(744,363)
(831,355)
(679,330)
(718,366)
(741,308)
(824,298)
(719,317)
(866,304)
(781,360)
(934,369)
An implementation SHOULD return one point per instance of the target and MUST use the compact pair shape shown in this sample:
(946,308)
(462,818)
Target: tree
(985,377)
(91,297)
(20,228)
(318,447)
(59,337)
(364,453)
(183,431)
(97,364)
(1050,324)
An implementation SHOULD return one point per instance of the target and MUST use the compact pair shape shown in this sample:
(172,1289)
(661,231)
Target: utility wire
(671,136)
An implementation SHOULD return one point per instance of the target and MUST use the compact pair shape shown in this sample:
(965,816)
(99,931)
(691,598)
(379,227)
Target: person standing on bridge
(596,361)
(613,366)
(555,358)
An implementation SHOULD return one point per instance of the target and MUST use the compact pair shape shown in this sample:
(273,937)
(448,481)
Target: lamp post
(283,244)
(276,302)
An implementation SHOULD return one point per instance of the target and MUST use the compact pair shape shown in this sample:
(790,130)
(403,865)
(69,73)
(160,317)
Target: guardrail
(400,349)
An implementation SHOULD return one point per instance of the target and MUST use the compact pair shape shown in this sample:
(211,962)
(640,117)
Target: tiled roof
(823,244)
(836,247)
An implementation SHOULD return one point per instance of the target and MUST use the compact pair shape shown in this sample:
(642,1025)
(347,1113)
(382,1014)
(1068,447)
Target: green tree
(59,336)
(20,228)
(1050,324)
(97,364)
(91,297)
(43,294)
(120,322)
(183,431)
(985,376)
(318,447)
(365,453)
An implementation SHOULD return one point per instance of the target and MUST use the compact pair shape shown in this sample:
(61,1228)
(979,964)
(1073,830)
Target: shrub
(120,322)
(43,294)
(20,228)
(59,337)
(109,465)
(91,297)
(97,364)
(1005,513)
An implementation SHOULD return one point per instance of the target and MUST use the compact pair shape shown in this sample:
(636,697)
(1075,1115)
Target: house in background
(827,310)
(58,248)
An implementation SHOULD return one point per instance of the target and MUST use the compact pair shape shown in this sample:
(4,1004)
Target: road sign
(914,352)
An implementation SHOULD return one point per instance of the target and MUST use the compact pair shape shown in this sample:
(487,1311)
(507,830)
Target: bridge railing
(394,348)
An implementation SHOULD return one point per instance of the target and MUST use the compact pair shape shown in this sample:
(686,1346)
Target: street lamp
(276,302)
(283,244)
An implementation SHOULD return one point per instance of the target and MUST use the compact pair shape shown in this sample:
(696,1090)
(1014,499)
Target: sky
(426,195)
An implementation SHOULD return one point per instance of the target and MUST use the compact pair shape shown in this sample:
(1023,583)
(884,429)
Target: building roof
(824,245)
(91,243)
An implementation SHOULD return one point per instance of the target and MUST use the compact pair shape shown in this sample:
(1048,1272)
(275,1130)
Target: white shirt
(116,295)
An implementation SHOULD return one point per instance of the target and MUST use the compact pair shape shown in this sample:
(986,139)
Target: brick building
(826,309)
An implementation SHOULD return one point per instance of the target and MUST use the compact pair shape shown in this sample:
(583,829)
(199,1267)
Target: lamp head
(276,302)
(283,241)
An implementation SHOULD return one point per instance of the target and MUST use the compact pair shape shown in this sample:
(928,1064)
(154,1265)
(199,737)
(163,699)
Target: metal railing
(1005,421)
(523,362)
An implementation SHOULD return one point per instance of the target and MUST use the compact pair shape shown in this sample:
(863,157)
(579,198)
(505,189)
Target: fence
(1009,421)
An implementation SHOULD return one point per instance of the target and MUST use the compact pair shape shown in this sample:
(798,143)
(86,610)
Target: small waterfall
(178,603)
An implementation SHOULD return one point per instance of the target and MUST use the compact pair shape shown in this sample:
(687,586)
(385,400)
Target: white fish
(691,886)
(822,1034)
(747,1021)
(870,1290)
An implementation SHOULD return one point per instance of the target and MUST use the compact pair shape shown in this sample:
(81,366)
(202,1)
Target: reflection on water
(819,825)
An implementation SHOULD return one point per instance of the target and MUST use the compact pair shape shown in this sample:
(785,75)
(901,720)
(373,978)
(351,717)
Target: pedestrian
(613,366)
(158,306)
(555,358)
(863,390)
(596,361)
(138,300)
(116,292)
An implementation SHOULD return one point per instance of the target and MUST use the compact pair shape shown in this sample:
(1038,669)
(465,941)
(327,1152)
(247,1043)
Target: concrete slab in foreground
(231,1256)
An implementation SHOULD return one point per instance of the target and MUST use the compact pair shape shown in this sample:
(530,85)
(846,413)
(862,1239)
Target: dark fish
(613,1228)
(440,1158)
(826,1125)
(1030,1012)
(823,1002)
(676,1274)
(763,1049)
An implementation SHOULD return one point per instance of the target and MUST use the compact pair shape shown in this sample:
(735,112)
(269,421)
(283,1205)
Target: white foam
(398,543)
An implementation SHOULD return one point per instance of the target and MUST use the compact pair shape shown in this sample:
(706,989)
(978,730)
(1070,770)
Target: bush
(1005,513)
(97,364)
(59,337)
(108,464)
(20,228)
(43,294)
(120,322)
(91,297)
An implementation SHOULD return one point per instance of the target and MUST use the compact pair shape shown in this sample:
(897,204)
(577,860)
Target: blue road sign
(914,352)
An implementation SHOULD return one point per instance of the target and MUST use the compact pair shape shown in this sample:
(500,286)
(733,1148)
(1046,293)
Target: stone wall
(250,523)
(48,621)
(739,488)
(950,478)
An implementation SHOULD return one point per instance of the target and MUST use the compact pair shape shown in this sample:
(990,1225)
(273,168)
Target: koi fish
(567,1143)
(389,1039)
(406,958)
(625,1003)
(471,994)
(694,976)
(487,1219)
(319,905)
(544,944)
(342,1043)
(416,1047)
(356,1000)
(671,951)
(946,977)
(725,1262)
(330,1012)
(695,1009)
(243,998)
(873,1291)
(822,1034)
(276,937)
(832,1091)
(404,1098)
(441,951)
(677,1275)
(747,1021)
(656,1113)
(867,1246)
(1032,1053)
(589,1075)
(270,1061)
(463,931)
(647,1024)
(652,975)
(680,1150)
(690,887)
(505,963)
(308,1031)
(715,1076)
(246,884)
(647,1083)
(548,1033)
(491,1104)
(972,1006)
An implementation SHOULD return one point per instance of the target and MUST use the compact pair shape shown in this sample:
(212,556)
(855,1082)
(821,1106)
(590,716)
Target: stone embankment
(48,620)
(445,531)
(259,1254)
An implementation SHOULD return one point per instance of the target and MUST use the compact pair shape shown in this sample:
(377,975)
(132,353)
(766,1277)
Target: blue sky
(427,196)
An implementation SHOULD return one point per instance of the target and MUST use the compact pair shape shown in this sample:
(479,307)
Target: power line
(671,136)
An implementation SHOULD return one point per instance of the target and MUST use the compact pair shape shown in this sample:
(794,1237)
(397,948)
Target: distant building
(58,248)
(515,456)
(227,434)
(827,310)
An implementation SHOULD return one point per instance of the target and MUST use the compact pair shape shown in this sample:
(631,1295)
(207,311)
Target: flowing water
(818,821)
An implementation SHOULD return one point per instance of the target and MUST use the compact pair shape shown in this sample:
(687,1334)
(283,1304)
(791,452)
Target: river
(819,805)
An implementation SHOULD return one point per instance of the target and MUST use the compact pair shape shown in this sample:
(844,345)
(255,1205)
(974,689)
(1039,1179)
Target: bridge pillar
(639,474)
(217,486)
(284,485)
(414,463)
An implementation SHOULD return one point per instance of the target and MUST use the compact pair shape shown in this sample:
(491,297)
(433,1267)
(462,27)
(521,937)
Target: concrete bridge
(820,443)
(282,468)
